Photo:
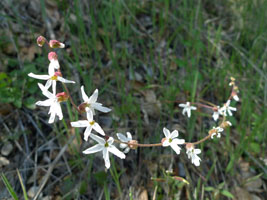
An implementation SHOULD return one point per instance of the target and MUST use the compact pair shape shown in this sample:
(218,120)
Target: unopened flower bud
(40,41)
(56,44)
(62,96)
(226,124)
(52,56)
(131,144)
(232,78)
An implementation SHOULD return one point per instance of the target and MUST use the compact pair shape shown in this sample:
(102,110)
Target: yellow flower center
(106,145)
(54,78)
(92,123)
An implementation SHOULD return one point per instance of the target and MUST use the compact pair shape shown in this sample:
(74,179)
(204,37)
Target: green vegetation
(132,51)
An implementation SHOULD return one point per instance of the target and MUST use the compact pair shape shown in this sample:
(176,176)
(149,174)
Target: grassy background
(142,56)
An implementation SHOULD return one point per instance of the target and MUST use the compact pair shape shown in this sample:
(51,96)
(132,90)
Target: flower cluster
(89,106)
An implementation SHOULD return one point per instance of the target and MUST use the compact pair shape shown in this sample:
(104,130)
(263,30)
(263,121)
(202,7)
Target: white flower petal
(59,111)
(98,106)
(182,105)
(54,86)
(89,114)
(98,129)
(123,146)
(197,151)
(166,132)
(129,136)
(176,148)
(116,152)
(178,141)
(48,84)
(93,98)
(106,158)
(41,77)
(98,139)
(236,98)
(52,117)
(174,134)
(110,140)
(94,149)
(47,102)
(122,137)
(87,132)
(51,70)
(45,91)
(84,96)
(126,150)
(188,112)
(54,63)
(193,107)
(215,116)
(80,123)
(63,80)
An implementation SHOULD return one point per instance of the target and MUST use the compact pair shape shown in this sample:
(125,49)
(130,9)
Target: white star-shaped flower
(123,138)
(51,78)
(89,124)
(187,108)
(227,109)
(216,113)
(216,132)
(91,102)
(192,154)
(105,146)
(53,101)
(172,140)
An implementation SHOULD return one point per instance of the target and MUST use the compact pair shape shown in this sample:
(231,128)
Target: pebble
(6,149)
(3,161)
(32,191)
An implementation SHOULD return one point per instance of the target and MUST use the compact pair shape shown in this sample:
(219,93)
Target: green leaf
(227,194)
(9,187)
(209,189)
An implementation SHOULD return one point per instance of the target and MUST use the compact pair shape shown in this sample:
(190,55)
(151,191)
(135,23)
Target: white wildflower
(89,124)
(172,140)
(105,146)
(127,139)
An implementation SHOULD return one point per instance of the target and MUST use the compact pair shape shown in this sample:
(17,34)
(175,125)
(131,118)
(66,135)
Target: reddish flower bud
(82,106)
(40,41)
(56,44)
(62,96)
(58,73)
(52,56)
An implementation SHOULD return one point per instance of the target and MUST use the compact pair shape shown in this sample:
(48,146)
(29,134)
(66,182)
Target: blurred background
(145,57)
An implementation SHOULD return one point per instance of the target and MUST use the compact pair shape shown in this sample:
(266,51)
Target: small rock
(3,161)
(46,198)
(6,149)
(32,191)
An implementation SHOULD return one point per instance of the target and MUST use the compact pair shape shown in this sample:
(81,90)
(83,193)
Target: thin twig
(51,167)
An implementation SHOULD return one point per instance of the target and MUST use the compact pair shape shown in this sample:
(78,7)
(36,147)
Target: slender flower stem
(71,101)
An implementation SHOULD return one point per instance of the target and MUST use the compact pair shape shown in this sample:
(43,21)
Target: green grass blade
(22,186)
(9,187)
